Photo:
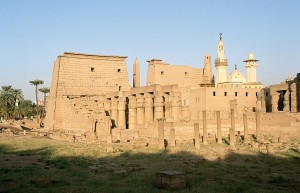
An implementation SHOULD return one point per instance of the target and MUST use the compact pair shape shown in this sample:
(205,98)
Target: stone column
(270,150)
(204,127)
(172,138)
(219,131)
(114,112)
(233,105)
(294,98)
(286,102)
(108,125)
(263,102)
(108,129)
(245,120)
(161,138)
(158,107)
(274,101)
(148,110)
(196,135)
(121,113)
(168,113)
(175,107)
(140,111)
(232,129)
(132,113)
(257,113)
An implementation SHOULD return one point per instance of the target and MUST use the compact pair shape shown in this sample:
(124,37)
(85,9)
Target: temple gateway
(91,95)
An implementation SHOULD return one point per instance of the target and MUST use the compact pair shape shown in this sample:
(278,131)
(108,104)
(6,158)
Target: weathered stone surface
(161,134)
(172,141)
(171,179)
(196,135)
(121,172)
(232,129)
(219,130)
(91,96)
(204,127)
(270,150)
(84,77)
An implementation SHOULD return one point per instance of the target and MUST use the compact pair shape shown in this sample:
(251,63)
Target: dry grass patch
(34,164)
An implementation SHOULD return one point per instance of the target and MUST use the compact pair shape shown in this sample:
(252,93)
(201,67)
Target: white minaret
(251,66)
(221,63)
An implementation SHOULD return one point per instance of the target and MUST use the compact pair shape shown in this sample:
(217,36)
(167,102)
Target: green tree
(7,102)
(26,108)
(44,90)
(36,83)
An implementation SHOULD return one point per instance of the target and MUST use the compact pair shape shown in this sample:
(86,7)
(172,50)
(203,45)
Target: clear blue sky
(34,33)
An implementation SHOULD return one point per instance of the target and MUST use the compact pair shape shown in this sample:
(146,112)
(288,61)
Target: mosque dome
(237,76)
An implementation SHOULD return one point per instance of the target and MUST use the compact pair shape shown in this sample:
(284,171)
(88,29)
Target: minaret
(136,73)
(251,66)
(221,63)
(207,71)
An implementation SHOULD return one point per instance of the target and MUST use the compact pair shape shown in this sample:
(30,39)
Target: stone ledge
(171,179)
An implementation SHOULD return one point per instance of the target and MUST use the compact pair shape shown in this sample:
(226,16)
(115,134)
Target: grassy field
(39,164)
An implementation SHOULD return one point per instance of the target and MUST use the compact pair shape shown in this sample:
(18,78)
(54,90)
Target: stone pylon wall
(82,75)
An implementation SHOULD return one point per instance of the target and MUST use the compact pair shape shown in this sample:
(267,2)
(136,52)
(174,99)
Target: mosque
(201,91)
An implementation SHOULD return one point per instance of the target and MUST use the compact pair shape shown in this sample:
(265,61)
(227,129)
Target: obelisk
(136,73)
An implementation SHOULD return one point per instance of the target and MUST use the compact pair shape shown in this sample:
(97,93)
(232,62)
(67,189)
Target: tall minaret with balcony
(251,66)
(221,63)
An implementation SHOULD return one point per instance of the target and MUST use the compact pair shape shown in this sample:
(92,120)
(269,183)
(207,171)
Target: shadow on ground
(44,170)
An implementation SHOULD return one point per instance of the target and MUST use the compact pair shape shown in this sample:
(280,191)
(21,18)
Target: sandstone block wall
(182,75)
(76,74)
(282,97)
(81,74)
(218,99)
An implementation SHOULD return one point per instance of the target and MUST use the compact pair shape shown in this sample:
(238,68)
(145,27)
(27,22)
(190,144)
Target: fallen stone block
(121,172)
(171,179)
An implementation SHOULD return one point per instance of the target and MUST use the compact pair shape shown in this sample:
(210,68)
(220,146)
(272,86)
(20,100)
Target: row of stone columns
(219,130)
(142,109)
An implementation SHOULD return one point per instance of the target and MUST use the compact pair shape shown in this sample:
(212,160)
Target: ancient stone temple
(91,95)
(78,81)
(283,97)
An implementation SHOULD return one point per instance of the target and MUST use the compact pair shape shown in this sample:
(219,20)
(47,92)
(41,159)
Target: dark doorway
(127,112)
(281,100)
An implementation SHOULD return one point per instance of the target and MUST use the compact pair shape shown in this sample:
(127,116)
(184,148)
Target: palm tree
(18,96)
(7,101)
(36,83)
(44,90)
